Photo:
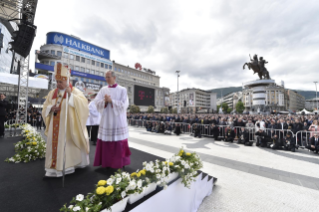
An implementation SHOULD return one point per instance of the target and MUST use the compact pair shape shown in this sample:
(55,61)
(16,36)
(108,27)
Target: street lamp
(316,93)
(177,94)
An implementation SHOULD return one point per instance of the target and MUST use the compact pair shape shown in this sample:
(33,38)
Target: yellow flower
(109,190)
(138,174)
(188,154)
(143,172)
(171,163)
(34,143)
(133,174)
(101,183)
(100,190)
(181,152)
(28,143)
(34,138)
(165,162)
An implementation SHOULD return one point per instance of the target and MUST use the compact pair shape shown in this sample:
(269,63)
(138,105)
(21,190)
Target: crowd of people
(281,132)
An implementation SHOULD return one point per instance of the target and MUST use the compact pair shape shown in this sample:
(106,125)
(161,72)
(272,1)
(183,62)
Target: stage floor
(22,187)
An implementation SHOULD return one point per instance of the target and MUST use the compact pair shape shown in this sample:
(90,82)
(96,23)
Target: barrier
(303,138)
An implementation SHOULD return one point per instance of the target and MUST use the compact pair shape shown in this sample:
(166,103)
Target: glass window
(77,58)
(76,68)
(93,62)
(59,53)
(46,62)
(47,51)
(101,74)
(88,61)
(82,69)
(92,71)
(87,70)
(82,59)
(110,67)
(115,69)
(53,52)
(102,65)
(66,55)
(97,64)
(52,63)
(92,81)
(71,57)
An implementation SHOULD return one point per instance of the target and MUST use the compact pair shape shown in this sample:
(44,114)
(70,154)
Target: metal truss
(21,116)
(18,9)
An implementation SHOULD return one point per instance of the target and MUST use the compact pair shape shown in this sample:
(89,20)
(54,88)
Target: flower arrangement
(30,148)
(7,126)
(122,184)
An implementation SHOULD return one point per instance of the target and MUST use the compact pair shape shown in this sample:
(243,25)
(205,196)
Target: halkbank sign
(66,40)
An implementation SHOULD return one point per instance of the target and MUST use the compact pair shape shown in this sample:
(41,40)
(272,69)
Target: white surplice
(94,116)
(113,126)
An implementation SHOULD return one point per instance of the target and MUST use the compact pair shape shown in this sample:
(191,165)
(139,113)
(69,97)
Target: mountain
(224,91)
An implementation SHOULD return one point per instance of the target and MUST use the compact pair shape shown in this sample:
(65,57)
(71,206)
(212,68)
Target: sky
(208,41)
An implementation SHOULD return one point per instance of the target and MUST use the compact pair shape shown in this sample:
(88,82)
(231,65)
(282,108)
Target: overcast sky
(208,41)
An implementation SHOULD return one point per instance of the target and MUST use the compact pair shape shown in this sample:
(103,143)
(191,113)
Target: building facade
(89,63)
(296,101)
(231,99)
(193,100)
(311,104)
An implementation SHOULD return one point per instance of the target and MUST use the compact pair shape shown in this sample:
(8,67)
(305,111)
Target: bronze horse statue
(258,67)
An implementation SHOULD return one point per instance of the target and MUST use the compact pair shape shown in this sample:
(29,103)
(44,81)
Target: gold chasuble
(77,142)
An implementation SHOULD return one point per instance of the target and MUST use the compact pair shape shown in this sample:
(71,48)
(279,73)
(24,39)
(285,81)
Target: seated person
(262,138)
(177,130)
(229,134)
(161,128)
(196,131)
(275,142)
(214,131)
(289,143)
(243,137)
(314,143)
(168,129)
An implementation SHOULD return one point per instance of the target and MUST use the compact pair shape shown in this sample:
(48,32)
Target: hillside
(227,90)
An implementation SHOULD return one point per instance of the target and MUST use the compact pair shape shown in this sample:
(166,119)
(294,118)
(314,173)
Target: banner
(87,87)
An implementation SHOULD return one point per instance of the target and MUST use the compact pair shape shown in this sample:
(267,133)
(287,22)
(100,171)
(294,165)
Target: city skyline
(173,35)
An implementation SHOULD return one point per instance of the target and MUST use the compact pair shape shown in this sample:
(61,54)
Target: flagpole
(66,118)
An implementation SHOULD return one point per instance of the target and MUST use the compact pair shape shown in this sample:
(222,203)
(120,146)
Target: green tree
(218,106)
(229,110)
(164,110)
(174,110)
(240,107)
(150,109)
(134,109)
(225,107)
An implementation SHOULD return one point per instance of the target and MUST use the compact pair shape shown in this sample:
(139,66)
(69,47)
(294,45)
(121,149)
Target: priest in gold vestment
(54,114)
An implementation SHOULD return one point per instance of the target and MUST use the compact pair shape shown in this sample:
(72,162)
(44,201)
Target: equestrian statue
(258,67)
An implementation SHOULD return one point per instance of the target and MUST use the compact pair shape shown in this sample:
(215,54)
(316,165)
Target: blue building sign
(66,40)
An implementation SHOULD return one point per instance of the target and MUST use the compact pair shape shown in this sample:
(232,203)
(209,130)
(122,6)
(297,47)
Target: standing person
(39,121)
(54,113)
(94,119)
(112,148)
(3,105)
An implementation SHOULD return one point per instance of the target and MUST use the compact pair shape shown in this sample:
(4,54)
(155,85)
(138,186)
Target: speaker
(23,39)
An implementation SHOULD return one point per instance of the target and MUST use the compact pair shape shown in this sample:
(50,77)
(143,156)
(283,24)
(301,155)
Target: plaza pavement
(249,178)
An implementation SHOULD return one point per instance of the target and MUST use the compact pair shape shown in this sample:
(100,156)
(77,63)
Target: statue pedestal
(262,96)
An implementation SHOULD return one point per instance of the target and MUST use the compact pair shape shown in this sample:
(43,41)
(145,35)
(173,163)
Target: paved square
(249,178)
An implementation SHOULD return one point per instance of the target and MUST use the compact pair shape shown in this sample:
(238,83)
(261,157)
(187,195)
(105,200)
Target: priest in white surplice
(112,148)
(54,113)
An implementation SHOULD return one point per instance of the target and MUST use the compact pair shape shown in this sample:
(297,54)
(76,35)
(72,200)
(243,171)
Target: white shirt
(94,116)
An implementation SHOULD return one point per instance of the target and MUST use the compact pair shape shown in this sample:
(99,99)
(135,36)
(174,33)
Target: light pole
(316,93)
(177,94)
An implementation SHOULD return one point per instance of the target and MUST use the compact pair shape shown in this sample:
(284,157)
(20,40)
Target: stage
(23,187)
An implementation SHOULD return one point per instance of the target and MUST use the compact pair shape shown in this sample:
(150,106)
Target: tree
(218,106)
(150,109)
(240,107)
(229,110)
(164,110)
(225,107)
(174,110)
(134,109)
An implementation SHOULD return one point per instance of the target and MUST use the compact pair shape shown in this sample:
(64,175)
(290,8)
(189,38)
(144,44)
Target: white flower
(132,185)
(77,208)
(158,170)
(110,181)
(118,180)
(26,156)
(183,163)
(187,166)
(152,170)
(163,175)
(148,167)
(71,206)
(158,176)
(79,197)
(139,183)
(144,163)
(123,194)
(100,203)
(182,170)
(147,179)
(165,187)
(117,175)
(87,209)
